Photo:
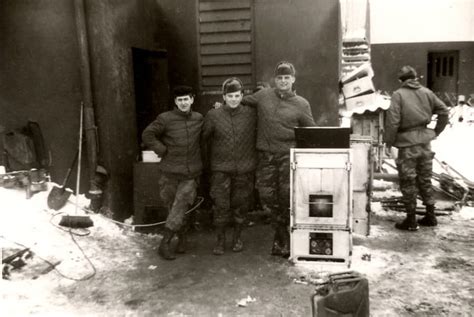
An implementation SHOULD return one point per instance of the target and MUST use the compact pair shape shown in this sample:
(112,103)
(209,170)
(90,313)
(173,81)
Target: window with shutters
(225,43)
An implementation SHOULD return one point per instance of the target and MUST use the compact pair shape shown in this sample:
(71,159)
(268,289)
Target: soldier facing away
(411,109)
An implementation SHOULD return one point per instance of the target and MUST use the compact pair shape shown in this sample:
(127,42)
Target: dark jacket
(230,138)
(278,115)
(175,137)
(411,109)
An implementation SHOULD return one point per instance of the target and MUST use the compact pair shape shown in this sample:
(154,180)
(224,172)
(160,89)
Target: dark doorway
(443,72)
(150,73)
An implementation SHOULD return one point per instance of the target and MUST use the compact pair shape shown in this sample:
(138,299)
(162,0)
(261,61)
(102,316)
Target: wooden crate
(148,207)
(362,182)
(370,124)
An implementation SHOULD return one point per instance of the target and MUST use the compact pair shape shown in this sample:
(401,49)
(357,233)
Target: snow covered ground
(429,272)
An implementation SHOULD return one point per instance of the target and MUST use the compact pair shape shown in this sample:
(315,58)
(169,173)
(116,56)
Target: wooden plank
(231,48)
(223,5)
(226,70)
(225,26)
(216,81)
(216,38)
(233,59)
(235,15)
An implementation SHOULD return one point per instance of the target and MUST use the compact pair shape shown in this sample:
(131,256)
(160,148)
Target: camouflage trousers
(231,196)
(178,195)
(273,185)
(415,165)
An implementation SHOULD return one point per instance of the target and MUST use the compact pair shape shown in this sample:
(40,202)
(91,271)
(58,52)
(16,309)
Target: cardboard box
(361,101)
(364,70)
(358,87)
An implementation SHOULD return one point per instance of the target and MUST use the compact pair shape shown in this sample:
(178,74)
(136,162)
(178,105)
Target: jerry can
(344,294)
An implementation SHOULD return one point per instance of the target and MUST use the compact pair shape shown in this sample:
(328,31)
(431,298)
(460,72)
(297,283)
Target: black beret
(179,91)
(231,85)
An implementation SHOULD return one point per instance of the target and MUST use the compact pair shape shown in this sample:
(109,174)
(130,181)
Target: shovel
(58,196)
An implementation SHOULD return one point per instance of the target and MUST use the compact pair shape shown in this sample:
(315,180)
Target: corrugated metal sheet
(225,39)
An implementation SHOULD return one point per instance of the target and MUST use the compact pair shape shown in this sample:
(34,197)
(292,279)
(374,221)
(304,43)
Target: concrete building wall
(40,74)
(305,32)
(404,32)
(40,79)
(388,58)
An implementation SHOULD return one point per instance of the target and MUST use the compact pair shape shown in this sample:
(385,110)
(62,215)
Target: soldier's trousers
(231,196)
(178,195)
(415,165)
(273,185)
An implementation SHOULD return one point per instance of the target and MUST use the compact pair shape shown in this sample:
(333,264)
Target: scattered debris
(366,257)
(300,281)
(245,301)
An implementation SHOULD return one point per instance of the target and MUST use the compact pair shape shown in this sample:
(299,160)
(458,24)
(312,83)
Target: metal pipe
(89,120)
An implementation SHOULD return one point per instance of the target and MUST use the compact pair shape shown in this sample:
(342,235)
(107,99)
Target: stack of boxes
(321,207)
(358,88)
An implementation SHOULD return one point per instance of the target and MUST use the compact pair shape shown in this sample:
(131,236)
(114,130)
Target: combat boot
(182,242)
(164,250)
(237,244)
(276,247)
(220,243)
(409,223)
(285,244)
(429,220)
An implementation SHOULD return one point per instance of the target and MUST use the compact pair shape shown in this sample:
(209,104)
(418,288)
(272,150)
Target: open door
(150,72)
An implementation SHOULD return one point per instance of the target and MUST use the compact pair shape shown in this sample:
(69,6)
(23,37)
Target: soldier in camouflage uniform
(229,140)
(175,137)
(279,110)
(411,109)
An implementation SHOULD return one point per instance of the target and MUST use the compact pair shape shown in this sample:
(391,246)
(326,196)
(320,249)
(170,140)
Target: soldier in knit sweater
(229,142)
(279,110)
(175,137)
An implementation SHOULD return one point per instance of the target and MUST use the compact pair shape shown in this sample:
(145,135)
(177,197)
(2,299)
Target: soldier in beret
(229,140)
(175,137)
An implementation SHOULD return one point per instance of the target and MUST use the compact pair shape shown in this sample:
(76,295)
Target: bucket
(150,157)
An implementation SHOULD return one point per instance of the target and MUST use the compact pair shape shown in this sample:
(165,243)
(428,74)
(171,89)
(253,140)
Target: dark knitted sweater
(278,114)
(229,135)
(175,137)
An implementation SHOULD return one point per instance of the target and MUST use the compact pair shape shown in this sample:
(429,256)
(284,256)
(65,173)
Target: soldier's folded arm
(306,118)
(151,137)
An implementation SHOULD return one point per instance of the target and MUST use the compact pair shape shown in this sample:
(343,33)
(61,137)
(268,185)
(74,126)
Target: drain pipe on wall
(89,120)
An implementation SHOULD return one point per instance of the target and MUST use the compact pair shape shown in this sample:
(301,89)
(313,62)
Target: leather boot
(276,247)
(220,243)
(409,223)
(429,220)
(285,245)
(164,250)
(237,244)
(181,246)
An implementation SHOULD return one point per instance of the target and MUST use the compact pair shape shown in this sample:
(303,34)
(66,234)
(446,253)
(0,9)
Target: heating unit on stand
(321,201)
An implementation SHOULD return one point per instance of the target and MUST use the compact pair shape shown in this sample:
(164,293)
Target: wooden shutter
(225,43)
